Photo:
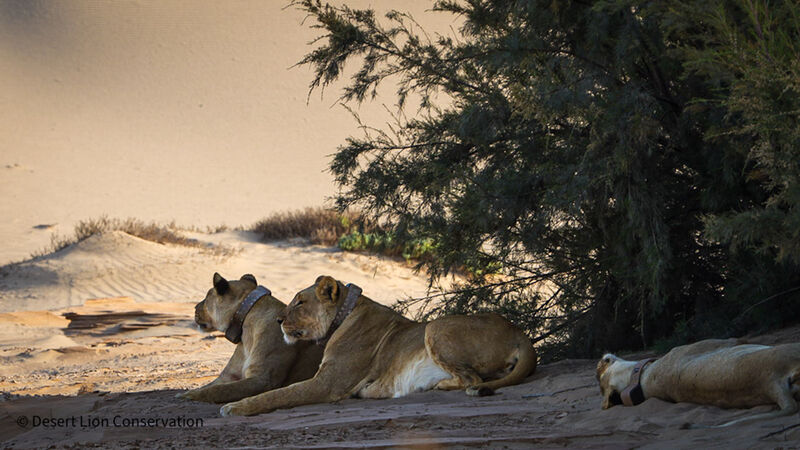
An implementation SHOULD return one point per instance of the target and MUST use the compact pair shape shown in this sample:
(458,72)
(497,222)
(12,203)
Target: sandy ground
(161,112)
(95,369)
(116,363)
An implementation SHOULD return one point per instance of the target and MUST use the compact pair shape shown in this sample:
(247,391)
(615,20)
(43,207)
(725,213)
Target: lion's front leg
(302,393)
(333,381)
(229,392)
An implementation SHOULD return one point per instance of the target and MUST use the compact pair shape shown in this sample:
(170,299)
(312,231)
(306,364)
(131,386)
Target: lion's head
(311,312)
(612,380)
(222,300)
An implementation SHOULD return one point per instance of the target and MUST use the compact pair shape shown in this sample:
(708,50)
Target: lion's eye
(298,303)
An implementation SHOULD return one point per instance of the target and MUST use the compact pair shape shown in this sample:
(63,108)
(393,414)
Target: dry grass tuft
(154,232)
(318,225)
(162,234)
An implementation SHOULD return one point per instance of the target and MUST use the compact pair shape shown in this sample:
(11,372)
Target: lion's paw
(230,409)
(474,391)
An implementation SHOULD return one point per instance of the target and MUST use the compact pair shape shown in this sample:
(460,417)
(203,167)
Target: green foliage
(386,243)
(755,48)
(348,230)
(632,166)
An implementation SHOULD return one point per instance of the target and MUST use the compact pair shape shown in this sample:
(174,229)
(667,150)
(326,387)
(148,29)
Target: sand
(116,264)
(97,368)
(163,112)
(96,384)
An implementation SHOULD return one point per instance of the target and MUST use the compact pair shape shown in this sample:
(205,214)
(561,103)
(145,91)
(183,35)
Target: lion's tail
(525,365)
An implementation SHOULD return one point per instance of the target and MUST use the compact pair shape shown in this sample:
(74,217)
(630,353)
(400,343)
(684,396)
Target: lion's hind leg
(462,378)
(524,364)
(784,392)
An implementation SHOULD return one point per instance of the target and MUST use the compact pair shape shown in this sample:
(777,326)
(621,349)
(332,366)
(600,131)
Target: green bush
(637,160)
(386,243)
(350,231)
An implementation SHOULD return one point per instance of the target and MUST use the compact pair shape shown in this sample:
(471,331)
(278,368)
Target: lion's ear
(220,284)
(327,289)
(249,277)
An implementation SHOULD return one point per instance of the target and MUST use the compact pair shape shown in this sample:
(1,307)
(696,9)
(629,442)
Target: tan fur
(378,353)
(724,373)
(261,361)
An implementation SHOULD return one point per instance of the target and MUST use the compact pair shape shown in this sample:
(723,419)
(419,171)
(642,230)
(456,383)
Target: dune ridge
(116,264)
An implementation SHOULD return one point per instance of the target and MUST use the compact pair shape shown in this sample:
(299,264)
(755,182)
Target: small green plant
(419,249)
(350,231)
(386,243)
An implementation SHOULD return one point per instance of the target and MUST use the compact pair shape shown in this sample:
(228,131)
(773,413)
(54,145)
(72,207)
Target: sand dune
(163,111)
(114,344)
(116,264)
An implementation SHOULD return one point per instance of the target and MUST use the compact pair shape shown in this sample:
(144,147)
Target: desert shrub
(350,231)
(318,225)
(637,159)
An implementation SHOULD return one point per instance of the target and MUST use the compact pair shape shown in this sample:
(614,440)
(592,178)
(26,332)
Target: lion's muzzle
(290,336)
(201,318)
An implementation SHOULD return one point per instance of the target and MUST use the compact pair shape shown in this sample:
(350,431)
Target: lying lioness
(374,352)
(724,373)
(261,360)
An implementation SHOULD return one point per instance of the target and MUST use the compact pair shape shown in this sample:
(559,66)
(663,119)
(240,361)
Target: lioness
(261,360)
(724,373)
(374,352)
